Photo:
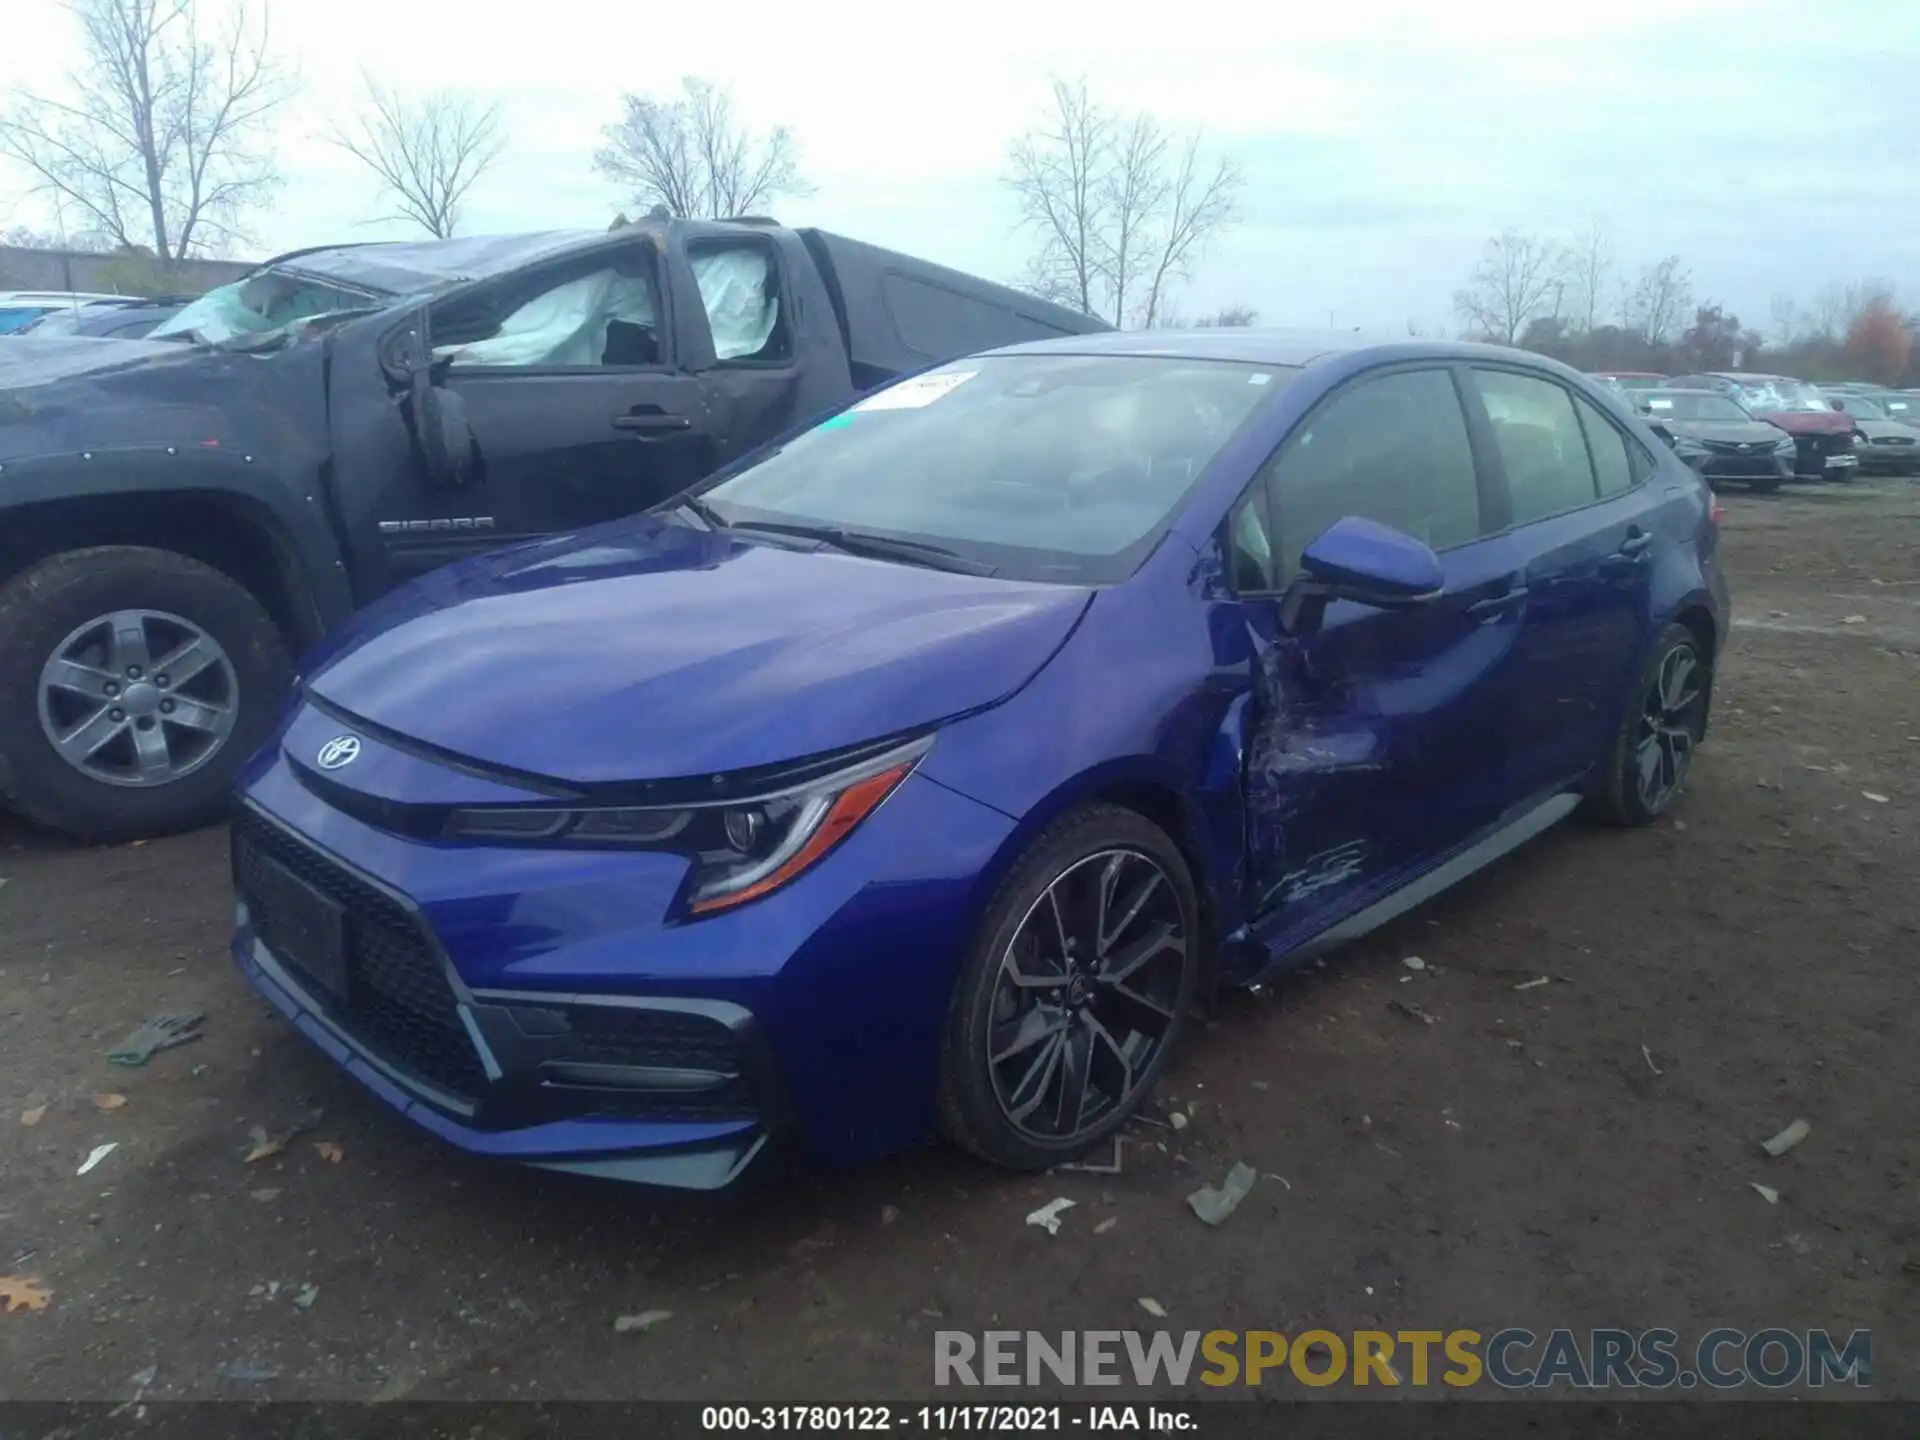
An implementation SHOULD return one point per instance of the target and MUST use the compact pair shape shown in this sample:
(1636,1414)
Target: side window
(1248,549)
(1392,449)
(1613,465)
(608,315)
(1540,443)
(740,291)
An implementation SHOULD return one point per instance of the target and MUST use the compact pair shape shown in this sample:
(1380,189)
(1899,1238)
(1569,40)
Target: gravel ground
(1577,1153)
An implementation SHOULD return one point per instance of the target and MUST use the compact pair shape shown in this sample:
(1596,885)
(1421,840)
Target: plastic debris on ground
(247,1374)
(96,1155)
(645,1320)
(264,1145)
(329,1152)
(1877,799)
(1412,1011)
(1766,1192)
(162,1032)
(1648,1054)
(1106,1225)
(109,1102)
(1087,1167)
(1047,1217)
(1534,984)
(1414,962)
(33,1116)
(23,1293)
(306,1296)
(1214,1206)
(1788,1138)
(889,1214)
(1177,1120)
(1153,1307)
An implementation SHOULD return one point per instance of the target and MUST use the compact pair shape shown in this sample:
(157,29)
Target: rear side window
(1613,466)
(1393,449)
(1541,444)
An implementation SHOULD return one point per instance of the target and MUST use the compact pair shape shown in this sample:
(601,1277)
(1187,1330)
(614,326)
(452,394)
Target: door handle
(1496,604)
(1636,541)
(651,422)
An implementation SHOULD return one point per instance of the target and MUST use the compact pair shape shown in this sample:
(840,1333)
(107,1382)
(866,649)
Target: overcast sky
(1770,143)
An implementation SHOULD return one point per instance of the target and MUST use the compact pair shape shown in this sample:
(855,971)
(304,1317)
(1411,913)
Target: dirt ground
(1577,1153)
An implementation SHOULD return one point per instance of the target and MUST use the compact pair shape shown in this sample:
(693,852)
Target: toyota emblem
(340,751)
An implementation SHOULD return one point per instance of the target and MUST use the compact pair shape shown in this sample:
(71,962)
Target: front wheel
(134,684)
(1073,993)
(1648,762)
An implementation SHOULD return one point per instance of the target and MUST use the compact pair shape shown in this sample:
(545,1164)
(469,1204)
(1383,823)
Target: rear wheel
(134,683)
(1650,758)
(1073,994)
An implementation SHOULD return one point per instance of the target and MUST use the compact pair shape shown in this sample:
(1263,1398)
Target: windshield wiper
(879,547)
(705,511)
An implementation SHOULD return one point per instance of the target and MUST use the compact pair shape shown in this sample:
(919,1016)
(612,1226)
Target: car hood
(1809,422)
(1884,429)
(1737,431)
(27,361)
(652,650)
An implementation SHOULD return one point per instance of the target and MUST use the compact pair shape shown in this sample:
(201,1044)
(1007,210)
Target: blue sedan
(920,774)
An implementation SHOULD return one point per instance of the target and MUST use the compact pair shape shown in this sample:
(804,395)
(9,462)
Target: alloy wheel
(1086,995)
(1670,726)
(138,698)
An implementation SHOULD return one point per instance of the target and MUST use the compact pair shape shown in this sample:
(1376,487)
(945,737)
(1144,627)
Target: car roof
(53,297)
(1266,346)
(405,267)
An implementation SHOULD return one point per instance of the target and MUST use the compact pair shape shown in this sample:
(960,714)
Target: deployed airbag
(566,325)
(734,290)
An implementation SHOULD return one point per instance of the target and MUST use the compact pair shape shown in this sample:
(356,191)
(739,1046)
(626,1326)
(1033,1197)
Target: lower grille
(398,1003)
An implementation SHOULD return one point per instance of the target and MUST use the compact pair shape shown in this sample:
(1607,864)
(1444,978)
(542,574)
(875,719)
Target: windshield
(262,308)
(1867,405)
(1899,407)
(1047,467)
(15,318)
(1682,406)
(1639,382)
(1782,395)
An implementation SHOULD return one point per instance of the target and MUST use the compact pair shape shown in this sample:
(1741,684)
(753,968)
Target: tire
(98,607)
(1623,800)
(981,1103)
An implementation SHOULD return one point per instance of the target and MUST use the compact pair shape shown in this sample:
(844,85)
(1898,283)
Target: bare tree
(426,152)
(83,242)
(1658,300)
(1121,207)
(692,156)
(1589,270)
(1787,320)
(1232,317)
(1516,278)
(165,140)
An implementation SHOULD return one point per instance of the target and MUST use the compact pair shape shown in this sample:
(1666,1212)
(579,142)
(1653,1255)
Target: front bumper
(663,1090)
(1825,457)
(1886,458)
(1762,465)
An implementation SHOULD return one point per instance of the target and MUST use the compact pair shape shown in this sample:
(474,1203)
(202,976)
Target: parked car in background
(918,775)
(129,319)
(1823,436)
(1630,380)
(181,514)
(1893,446)
(1900,404)
(1721,441)
(20,309)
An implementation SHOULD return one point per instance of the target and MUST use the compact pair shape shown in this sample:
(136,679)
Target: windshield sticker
(920,391)
(1260,379)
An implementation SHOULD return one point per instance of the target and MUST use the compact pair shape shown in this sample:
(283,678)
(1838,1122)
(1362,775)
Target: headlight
(740,849)
(1686,445)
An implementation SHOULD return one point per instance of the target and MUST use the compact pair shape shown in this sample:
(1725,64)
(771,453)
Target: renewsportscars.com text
(1509,1359)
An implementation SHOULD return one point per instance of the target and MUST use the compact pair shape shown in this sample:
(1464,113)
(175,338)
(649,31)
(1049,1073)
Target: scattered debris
(889,1214)
(1534,984)
(1214,1206)
(1112,1167)
(1153,1307)
(1177,1120)
(96,1155)
(1766,1192)
(1412,1011)
(1047,1217)
(247,1374)
(23,1293)
(1798,1244)
(1681,826)
(162,1032)
(1106,1225)
(1853,620)
(645,1320)
(1262,1085)
(1414,962)
(1786,1139)
(265,1145)
(263,1196)
(33,1116)
(329,1152)
(109,1102)
(1649,1059)
(306,1296)
(1877,799)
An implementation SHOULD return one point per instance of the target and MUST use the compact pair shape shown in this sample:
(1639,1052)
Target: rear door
(1585,528)
(1374,746)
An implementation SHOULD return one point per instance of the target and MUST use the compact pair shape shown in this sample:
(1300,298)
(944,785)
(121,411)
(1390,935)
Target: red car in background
(1823,437)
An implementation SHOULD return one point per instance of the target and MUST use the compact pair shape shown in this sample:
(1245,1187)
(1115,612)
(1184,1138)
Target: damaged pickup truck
(181,515)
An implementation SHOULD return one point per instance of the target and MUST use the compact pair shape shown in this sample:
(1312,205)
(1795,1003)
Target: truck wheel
(134,684)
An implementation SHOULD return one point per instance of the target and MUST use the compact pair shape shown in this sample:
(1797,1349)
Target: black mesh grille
(398,1004)
(669,1039)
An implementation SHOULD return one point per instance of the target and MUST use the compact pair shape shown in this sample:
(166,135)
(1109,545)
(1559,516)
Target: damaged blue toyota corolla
(918,775)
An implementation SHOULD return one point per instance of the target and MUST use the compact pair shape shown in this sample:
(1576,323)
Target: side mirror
(1363,561)
(437,417)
